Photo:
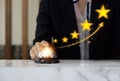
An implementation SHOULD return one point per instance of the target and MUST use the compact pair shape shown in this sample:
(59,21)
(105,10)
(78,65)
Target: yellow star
(65,40)
(55,40)
(86,25)
(74,35)
(103,12)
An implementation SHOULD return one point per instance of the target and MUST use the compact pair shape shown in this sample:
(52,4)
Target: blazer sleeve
(43,28)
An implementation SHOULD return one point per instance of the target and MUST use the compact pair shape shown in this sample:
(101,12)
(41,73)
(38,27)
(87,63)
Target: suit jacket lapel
(68,13)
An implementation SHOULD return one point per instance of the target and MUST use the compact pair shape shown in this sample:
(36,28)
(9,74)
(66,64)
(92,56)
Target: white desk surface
(66,70)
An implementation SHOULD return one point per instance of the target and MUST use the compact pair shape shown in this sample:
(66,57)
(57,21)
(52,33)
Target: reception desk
(66,70)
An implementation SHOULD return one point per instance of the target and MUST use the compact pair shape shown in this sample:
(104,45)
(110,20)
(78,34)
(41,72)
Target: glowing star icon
(86,25)
(65,40)
(103,12)
(55,40)
(74,35)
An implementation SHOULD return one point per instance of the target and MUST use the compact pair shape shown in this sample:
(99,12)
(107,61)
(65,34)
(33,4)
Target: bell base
(47,60)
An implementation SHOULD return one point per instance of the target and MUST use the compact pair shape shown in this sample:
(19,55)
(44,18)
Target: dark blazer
(57,19)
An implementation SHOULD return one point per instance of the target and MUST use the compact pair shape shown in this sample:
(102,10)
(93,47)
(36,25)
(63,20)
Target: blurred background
(17,27)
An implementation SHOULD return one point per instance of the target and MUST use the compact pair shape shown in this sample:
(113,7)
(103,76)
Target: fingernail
(44,42)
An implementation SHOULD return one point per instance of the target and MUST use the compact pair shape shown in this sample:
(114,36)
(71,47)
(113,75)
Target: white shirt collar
(78,0)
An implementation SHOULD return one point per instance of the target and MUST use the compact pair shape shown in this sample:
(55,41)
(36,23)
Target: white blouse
(84,46)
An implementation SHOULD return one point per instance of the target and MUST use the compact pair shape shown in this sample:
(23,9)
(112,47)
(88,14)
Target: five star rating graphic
(74,35)
(55,40)
(103,12)
(65,40)
(86,26)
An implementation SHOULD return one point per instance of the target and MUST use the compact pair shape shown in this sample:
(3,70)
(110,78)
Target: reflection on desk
(66,70)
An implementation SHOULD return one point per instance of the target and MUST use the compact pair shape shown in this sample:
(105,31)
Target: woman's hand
(38,47)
